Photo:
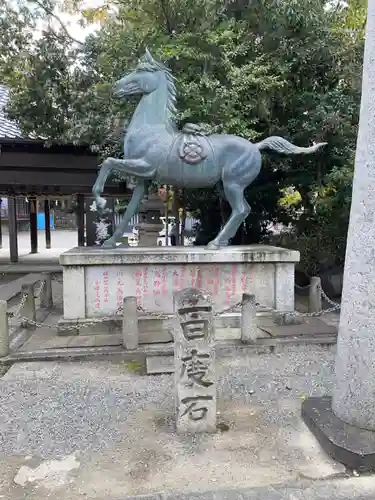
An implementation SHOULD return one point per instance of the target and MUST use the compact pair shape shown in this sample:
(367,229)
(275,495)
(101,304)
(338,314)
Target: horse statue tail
(281,145)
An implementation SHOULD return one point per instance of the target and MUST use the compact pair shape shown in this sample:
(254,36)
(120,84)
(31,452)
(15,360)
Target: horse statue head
(156,85)
(145,79)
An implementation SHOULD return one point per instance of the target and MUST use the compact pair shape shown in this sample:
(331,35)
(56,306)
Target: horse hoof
(213,246)
(109,244)
(100,203)
(102,213)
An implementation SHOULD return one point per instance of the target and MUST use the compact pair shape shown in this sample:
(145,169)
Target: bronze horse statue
(154,150)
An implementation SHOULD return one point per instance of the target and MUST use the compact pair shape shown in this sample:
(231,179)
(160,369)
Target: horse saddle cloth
(193,147)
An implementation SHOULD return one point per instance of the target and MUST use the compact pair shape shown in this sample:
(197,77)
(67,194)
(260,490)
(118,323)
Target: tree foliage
(248,67)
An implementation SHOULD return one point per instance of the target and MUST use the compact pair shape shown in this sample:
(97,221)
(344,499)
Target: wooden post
(81,219)
(315,295)
(91,219)
(12,225)
(33,225)
(176,214)
(249,328)
(1,228)
(166,215)
(4,331)
(183,218)
(28,309)
(47,218)
(46,300)
(130,333)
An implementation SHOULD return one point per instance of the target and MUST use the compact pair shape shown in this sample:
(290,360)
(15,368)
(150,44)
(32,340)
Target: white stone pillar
(315,295)
(4,331)
(28,309)
(354,396)
(46,299)
(249,327)
(130,332)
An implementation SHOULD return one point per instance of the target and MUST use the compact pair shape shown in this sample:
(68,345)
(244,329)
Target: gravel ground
(119,426)
(82,398)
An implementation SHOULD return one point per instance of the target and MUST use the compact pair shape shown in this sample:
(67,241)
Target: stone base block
(151,329)
(157,365)
(345,443)
(287,319)
(96,280)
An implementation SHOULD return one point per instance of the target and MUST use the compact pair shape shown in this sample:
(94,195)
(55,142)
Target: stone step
(10,290)
(157,365)
(340,487)
(162,349)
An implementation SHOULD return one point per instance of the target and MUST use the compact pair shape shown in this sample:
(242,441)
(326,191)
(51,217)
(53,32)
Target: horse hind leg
(240,210)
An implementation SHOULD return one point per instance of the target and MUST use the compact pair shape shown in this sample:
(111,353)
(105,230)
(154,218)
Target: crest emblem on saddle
(193,146)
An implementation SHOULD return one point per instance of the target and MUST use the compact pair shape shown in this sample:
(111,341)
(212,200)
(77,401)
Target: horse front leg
(137,168)
(98,187)
(131,209)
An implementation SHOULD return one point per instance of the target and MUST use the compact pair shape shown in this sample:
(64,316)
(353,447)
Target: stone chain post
(130,331)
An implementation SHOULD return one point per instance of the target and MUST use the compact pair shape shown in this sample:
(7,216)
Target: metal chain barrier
(102,319)
(17,313)
(56,277)
(334,305)
(153,314)
(301,287)
(42,283)
(160,315)
(229,309)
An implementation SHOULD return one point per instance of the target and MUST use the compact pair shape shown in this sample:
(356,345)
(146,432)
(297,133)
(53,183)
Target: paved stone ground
(100,430)
(353,489)
(61,241)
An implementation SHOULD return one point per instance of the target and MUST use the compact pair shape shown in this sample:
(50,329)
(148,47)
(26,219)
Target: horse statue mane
(148,63)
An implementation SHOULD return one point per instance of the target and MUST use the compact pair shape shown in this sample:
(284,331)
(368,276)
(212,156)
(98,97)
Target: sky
(71,22)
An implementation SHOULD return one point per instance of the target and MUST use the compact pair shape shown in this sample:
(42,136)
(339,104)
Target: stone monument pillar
(98,229)
(194,341)
(354,397)
(150,224)
(345,424)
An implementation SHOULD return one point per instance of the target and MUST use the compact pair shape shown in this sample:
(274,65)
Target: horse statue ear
(148,57)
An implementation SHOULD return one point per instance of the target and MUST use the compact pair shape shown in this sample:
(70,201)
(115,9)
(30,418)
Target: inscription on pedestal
(154,285)
(194,352)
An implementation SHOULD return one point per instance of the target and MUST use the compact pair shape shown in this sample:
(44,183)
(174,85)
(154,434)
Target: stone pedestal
(353,403)
(148,234)
(96,280)
(194,354)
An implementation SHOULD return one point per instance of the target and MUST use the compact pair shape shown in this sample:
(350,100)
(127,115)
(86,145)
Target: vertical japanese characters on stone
(194,351)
